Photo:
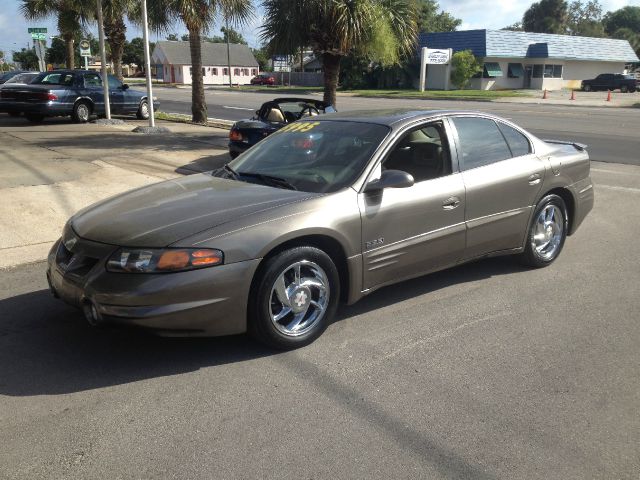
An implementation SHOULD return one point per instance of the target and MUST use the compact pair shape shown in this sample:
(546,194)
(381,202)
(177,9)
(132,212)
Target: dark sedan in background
(78,93)
(4,76)
(272,116)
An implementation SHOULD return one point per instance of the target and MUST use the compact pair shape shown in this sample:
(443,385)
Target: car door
(502,178)
(116,95)
(414,230)
(92,88)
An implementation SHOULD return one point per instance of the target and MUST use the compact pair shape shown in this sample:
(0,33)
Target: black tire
(587,88)
(624,89)
(632,90)
(33,118)
(538,256)
(81,112)
(15,114)
(264,303)
(143,110)
(233,154)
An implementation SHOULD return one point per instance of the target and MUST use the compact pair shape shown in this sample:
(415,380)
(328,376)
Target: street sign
(85,48)
(437,57)
(38,36)
(36,30)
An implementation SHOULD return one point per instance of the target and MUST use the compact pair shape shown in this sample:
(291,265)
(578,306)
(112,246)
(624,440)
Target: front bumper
(208,302)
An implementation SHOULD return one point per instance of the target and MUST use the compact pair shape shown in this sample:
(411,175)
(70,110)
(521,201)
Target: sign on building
(281,63)
(437,56)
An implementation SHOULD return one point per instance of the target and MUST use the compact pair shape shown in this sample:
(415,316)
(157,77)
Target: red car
(263,79)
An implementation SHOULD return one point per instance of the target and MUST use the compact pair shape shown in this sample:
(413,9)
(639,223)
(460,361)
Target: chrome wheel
(299,298)
(82,112)
(144,110)
(548,232)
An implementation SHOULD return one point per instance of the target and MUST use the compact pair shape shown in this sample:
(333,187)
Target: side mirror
(125,86)
(390,179)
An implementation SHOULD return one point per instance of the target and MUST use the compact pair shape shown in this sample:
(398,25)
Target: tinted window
(481,142)
(423,152)
(518,143)
(54,79)
(114,83)
(92,80)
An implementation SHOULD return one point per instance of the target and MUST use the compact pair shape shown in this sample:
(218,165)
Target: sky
(474,14)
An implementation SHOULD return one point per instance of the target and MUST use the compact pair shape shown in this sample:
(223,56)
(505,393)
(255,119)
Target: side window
(92,80)
(481,143)
(114,83)
(518,143)
(423,152)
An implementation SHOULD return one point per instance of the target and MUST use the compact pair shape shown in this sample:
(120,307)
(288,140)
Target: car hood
(161,214)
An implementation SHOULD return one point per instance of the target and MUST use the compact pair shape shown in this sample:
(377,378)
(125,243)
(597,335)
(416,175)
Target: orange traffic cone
(544,95)
(608,95)
(573,95)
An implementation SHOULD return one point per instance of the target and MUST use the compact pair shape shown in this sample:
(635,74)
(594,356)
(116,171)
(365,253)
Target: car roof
(390,117)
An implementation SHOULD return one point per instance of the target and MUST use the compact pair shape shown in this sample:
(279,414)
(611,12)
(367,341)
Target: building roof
(178,53)
(509,44)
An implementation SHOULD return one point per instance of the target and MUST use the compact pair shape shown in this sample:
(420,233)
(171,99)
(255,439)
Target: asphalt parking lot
(487,371)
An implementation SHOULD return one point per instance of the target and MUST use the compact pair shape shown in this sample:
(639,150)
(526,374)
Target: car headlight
(161,260)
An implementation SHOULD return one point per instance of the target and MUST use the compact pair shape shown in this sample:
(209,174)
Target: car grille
(74,264)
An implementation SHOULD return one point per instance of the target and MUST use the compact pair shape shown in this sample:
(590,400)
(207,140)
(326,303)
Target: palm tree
(198,16)
(72,14)
(115,30)
(380,30)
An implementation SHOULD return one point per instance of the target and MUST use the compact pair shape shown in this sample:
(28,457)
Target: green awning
(516,70)
(492,69)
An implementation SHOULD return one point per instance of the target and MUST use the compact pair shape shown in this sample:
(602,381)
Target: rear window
(53,78)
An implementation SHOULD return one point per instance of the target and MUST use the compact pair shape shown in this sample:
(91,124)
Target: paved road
(487,371)
(612,134)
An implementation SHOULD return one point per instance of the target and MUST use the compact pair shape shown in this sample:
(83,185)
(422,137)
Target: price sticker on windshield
(299,127)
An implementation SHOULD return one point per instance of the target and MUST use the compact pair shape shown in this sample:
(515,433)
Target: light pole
(147,63)
(103,61)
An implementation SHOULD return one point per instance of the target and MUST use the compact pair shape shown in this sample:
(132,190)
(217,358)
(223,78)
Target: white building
(513,60)
(172,62)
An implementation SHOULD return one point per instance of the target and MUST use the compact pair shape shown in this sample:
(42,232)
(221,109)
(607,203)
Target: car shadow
(46,347)
(204,164)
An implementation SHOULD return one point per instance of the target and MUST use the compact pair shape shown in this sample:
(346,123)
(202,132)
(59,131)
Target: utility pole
(226,22)
(103,61)
(147,63)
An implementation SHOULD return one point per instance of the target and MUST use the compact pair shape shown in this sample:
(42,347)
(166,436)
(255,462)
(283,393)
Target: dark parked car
(611,81)
(4,76)
(263,79)
(78,93)
(328,209)
(272,116)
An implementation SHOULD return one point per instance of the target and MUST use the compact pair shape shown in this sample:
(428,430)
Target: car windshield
(310,156)
(53,78)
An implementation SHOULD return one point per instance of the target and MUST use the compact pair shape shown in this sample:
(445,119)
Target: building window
(225,71)
(215,71)
(246,71)
(190,71)
(492,70)
(537,71)
(254,71)
(515,70)
(236,71)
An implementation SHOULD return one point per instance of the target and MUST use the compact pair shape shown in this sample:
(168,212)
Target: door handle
(534,179)
(450,203)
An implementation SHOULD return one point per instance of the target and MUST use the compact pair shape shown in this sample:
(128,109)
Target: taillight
(235,135)
(51,96)
(46,96)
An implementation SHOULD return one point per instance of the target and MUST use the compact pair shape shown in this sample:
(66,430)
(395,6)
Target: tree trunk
(198,102)
(116,32)
(331,67)
(70,54)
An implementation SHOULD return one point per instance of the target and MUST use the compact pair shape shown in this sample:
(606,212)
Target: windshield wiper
(269,180)
(231,171)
